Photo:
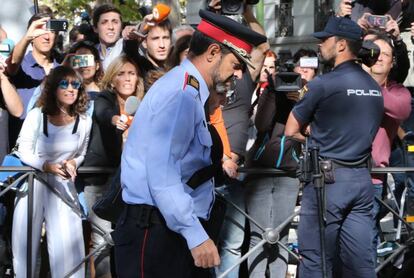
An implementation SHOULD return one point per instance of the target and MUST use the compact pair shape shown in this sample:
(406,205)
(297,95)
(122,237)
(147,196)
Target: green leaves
(71,9)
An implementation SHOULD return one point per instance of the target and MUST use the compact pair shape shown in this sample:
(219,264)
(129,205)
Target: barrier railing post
(29,224)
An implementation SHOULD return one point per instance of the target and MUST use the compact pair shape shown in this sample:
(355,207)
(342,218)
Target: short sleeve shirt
(344,108)
(28,77)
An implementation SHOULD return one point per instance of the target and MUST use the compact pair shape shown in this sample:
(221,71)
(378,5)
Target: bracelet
(225,158)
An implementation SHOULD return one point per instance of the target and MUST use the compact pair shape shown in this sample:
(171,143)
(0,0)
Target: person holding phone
(84,58)
(374,22)
(356,8)
(53,140)
(27,71)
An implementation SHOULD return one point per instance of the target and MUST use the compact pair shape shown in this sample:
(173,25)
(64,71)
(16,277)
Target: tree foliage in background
(70,9)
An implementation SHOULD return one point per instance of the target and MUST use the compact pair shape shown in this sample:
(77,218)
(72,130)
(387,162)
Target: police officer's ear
(341,45)
(213,52)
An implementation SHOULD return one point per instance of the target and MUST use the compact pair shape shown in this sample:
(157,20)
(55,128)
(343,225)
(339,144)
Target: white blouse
(35,148)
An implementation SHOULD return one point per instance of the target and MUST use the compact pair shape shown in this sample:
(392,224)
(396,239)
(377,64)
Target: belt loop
(144,216)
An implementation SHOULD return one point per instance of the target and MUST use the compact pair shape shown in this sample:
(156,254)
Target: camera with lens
(369,53)
(235,7)
(286,80)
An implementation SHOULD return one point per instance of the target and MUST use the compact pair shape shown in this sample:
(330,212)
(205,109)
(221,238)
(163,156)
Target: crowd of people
(210,102)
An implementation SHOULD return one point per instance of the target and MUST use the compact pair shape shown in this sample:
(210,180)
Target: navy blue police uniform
(344,109)
(166,172)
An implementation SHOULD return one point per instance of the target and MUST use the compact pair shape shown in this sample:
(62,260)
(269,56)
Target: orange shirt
(217,121)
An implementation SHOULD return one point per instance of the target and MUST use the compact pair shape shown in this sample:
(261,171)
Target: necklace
(63,111)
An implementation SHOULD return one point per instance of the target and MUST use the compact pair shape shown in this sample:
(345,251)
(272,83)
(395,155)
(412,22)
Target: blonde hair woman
(122,79)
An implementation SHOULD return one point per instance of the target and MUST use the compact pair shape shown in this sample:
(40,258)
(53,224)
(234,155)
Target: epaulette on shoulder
(192,81)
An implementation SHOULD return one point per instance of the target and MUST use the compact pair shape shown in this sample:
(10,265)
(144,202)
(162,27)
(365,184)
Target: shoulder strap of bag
(45,125)
(74,130)
(216,152)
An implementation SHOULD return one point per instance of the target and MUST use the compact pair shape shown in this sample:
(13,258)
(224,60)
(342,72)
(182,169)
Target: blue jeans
(102,258)
(396,160)
(270,201)
(376,211)
(232,232)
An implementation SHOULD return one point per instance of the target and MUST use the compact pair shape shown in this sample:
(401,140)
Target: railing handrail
(109,170)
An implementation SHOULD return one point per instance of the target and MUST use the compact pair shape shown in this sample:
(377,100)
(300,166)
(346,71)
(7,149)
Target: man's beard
(221,86)
(329,61)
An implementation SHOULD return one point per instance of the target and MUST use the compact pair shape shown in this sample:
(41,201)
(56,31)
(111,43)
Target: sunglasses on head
(64,84)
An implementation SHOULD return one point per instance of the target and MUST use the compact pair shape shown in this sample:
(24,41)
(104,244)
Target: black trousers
(152,252)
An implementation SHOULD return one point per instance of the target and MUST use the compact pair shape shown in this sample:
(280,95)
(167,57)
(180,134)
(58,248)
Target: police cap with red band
(237,37)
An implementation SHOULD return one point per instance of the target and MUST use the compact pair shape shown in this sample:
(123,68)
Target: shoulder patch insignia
(192,81)
(303,91)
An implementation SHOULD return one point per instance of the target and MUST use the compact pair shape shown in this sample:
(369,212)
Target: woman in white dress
(53,139)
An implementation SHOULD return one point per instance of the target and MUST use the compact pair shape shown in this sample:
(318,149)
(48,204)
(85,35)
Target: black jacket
(272,113)
(105,143)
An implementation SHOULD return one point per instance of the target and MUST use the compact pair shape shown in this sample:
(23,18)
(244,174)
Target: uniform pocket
(204,137)
(124,235)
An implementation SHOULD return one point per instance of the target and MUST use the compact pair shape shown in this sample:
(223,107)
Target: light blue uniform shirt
(167,142)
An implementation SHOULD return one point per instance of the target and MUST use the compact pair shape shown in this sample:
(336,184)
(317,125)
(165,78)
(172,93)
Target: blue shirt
(167,142)
(28,78)
(345,108)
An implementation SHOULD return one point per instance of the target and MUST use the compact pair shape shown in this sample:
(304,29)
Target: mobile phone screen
(377,20)
(57,25)
(308,62)
(82,61)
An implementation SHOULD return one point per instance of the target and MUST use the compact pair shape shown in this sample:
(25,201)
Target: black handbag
(111,205)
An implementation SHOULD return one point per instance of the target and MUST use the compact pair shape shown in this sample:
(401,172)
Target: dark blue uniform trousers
(349,228)
(152,252)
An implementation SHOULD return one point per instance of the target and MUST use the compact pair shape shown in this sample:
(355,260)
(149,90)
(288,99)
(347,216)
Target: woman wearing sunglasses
(53,140)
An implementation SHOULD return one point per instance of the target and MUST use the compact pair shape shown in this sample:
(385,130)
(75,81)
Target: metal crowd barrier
(270,235)
(31,174)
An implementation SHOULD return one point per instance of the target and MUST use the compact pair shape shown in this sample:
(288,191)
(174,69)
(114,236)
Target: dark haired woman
(53,139)
(92,73)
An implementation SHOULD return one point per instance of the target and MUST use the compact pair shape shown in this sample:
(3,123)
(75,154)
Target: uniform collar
(343,64)
(192,70)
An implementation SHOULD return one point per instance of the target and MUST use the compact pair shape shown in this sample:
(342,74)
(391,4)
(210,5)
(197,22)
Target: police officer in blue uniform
(167,157)
(344,109)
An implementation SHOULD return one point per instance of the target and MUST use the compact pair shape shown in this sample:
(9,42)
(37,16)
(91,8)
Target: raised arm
(258,53)
(35,30)
(11,98)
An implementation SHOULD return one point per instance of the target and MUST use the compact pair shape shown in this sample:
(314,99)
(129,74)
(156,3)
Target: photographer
(389,24)
(271,200)
(397,106)
(27,71)
(343,109)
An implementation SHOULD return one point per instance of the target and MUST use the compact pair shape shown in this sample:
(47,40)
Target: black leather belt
(340,164)
(145,215)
